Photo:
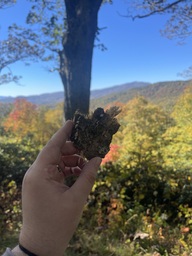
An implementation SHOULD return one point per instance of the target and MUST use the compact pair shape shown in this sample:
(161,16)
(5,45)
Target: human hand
(51,210)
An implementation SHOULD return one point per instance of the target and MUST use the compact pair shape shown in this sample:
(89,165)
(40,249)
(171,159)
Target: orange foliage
(116,103)
(21,119)
(112,155)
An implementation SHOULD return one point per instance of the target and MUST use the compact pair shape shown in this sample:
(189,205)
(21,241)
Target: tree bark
(76,55)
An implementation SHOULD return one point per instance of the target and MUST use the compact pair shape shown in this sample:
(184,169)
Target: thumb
(83,185)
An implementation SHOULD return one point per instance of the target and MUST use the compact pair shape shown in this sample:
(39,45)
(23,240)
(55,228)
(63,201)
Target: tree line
(144,182)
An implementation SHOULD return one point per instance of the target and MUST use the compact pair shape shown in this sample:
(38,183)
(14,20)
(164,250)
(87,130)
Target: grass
(90,243)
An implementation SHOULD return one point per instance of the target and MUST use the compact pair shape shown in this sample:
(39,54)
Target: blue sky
(136,51)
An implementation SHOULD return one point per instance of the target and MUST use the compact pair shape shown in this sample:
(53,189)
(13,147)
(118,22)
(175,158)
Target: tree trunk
(76,56)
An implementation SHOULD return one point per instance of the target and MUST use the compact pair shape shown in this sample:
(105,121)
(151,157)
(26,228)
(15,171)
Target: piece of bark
(93,134)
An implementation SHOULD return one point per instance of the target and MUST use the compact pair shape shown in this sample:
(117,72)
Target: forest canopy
(143,187)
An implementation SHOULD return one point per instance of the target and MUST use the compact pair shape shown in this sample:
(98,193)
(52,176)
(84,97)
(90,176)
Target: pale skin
(51,210)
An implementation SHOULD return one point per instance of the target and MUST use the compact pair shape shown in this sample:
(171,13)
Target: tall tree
(76,55)
(64,31)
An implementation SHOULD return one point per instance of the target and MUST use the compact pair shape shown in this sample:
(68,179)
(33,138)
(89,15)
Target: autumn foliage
(143,187)
(21,118)
(112,155)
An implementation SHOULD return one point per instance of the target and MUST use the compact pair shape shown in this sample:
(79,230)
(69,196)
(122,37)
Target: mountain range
(56,97)
(162,93)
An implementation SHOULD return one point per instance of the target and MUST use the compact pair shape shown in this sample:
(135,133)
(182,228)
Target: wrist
(47,247)
(19,250)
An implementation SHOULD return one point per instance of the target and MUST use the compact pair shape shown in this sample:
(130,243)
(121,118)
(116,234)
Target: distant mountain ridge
(42,99)
(117,89)
(164,94)
(56,97)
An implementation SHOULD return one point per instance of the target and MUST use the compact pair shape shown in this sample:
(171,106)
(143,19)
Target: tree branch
(163,9)
(7,4)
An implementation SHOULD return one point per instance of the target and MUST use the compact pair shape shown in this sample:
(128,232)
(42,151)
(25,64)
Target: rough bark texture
(76,56)
(92,134)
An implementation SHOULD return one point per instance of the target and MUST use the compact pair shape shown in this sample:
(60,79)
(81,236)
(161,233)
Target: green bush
(15,159)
